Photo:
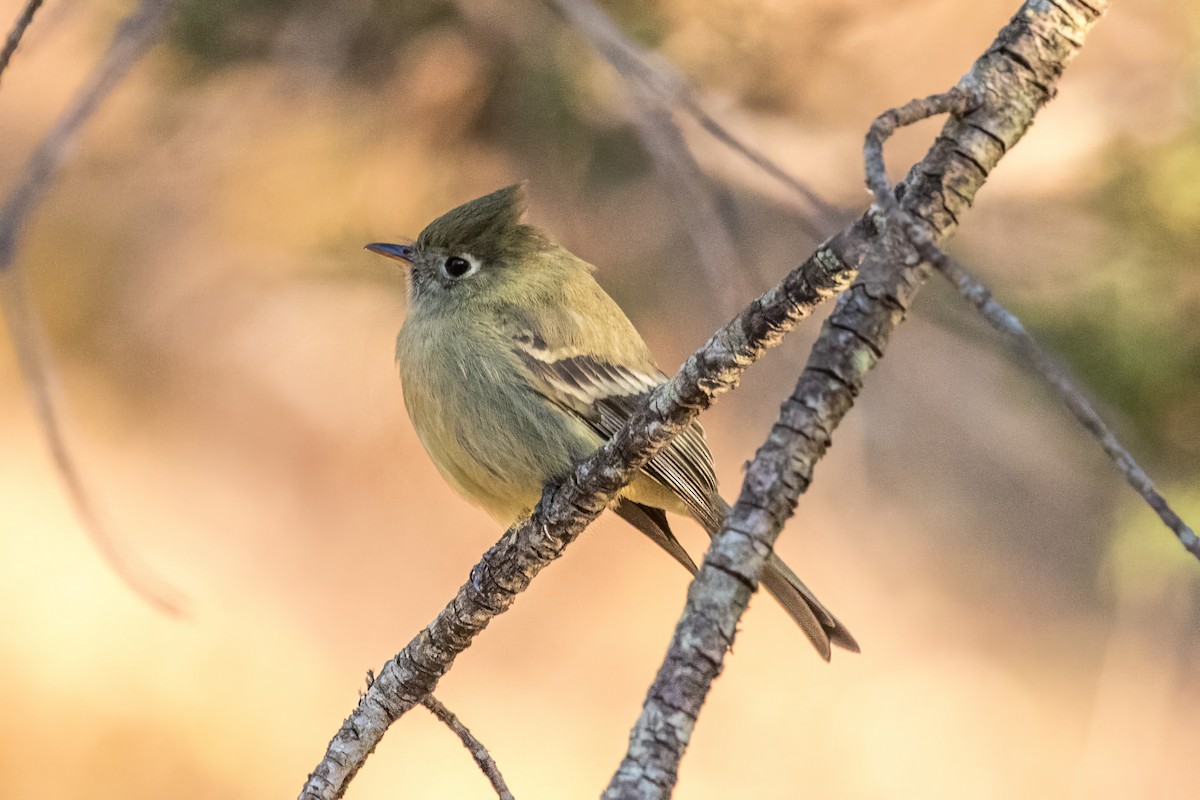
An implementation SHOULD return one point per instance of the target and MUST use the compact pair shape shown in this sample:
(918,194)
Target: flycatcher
(516,365)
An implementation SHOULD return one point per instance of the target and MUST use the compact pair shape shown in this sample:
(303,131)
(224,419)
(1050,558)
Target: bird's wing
(605,395)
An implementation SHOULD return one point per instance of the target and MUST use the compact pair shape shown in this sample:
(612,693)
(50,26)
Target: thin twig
(18,31)
(1013,79)
(708,229)
(662,82)
(133,37)
(957,101)
(480,753)
(1000,318)
(823,217)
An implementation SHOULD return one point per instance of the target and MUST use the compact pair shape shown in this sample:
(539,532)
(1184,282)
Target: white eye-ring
(456,267)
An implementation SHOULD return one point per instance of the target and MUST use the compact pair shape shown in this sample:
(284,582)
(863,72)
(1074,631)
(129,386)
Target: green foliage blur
(1133,333)
(221,33)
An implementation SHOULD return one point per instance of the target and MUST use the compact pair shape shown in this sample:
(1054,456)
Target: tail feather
(653,522)
(818,624)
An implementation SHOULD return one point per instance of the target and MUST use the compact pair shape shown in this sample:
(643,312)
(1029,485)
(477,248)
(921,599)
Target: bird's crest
(484,226)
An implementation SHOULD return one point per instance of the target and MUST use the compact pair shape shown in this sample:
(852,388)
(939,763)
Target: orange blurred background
(224,347)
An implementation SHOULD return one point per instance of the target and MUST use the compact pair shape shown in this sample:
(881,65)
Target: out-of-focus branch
(133,37)
(565,509)
(482,757)
(1008,85)
(659,81)
(708,229)
(17,32)
(1000,318)
(1007,324)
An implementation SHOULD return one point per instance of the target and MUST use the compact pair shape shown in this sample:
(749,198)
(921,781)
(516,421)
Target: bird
(515,364)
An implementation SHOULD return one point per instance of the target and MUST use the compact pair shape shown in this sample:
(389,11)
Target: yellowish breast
(493,439)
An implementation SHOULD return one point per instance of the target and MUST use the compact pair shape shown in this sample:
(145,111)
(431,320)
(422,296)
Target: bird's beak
(400,252)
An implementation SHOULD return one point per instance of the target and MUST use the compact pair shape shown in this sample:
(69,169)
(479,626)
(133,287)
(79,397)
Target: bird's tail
(820,626)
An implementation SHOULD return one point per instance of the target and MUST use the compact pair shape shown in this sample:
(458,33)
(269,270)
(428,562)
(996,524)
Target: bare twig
(822,218)
(18,31)
(708,229)
(662,82)
(1000,318)
(564,511)
(133,37)
(1013,80)
(480,753)
(957,101)
(1056,374)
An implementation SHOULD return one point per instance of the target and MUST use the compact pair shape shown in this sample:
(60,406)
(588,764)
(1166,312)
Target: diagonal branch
(1007,324)
(482,757)
(18,32)
(708,229)
(133,37)
(1000,318)
(1009,84)
(564,511)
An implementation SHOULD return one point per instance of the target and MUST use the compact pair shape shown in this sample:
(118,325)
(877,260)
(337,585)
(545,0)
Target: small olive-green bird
(516,365)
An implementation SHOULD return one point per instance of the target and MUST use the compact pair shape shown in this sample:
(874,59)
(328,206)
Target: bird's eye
(457,267)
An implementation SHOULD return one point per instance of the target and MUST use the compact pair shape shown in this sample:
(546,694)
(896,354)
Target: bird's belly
(492,438)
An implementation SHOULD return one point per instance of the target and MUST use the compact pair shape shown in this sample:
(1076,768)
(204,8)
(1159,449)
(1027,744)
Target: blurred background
(225,351)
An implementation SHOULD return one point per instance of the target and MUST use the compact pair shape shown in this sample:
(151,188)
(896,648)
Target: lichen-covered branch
(133,37)
(564,511)
(1011,82)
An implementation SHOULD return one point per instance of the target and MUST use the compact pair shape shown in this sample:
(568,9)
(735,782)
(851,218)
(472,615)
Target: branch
(1009,84)
(480,753)
(564,511)
(706,226)
(17,32)
(656,79)
(1007,324)
(1000,318)
(133,37)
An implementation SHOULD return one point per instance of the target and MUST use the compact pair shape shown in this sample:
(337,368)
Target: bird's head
(472,249)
